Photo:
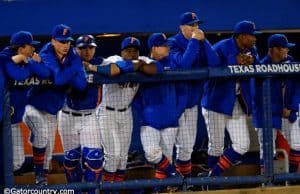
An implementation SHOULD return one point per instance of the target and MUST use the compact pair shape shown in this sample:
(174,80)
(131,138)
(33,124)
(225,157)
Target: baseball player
(291,122)
(189,49)
(227,103)
(114,112)
(285,99)
(21,62)
(66,72)
(158,132)
(78,126)
(278,53)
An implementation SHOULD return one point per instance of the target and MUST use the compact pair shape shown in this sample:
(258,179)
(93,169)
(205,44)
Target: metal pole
(267,132)
(6,175)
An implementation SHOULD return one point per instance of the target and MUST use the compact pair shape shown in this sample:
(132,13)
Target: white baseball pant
(116,130)
(187,132)
(78,131)
(43,127)
(260,139)
(18,146)
(291,132)
(236,126)
(158,142)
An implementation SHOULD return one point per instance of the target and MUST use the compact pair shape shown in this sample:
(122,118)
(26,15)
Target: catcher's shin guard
(93,166)
(72,165)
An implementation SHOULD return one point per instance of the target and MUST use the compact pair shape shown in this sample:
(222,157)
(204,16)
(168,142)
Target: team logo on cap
(253,24)
(193,15)
(86,38)
(164,36)
(65,31)
(286,39)
(132,39)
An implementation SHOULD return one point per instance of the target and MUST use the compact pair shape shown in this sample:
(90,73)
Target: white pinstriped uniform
(116,124)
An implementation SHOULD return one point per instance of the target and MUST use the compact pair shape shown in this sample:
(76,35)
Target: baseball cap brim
(131,46)
(165,44)
(64,39)
(162,44)
(87,44)
(290,44)
(256,32)
(34,42)
(194,21)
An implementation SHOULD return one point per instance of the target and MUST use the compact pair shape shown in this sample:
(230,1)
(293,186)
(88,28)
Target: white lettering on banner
(32,81)
(265,68)
(241,69)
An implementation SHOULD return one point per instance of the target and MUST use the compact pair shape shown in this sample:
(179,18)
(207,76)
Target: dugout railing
(268,71)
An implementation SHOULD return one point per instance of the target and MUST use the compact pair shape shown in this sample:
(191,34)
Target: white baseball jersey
(119,95)
(115,120)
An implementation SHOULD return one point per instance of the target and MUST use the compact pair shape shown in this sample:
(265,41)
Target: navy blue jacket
(292,95)
(192,54)
(220,94)
(51,98)
(161,104)
(276,97)
(90,97)
(17,75)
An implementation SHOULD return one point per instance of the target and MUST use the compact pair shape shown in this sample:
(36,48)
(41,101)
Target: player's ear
(77,50)
(181,27)
(53,41)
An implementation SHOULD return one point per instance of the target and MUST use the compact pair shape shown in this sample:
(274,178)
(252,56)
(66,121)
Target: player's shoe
(40,179)
(203,174)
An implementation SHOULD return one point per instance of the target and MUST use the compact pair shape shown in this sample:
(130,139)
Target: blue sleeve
(255,55)
(184,58)
(295,96)
(125,66)
(39,69)
(16,71)
(181,93)
(79,80)
(222,58)
(60,76)
(104,70)
(159,66)
(211,55)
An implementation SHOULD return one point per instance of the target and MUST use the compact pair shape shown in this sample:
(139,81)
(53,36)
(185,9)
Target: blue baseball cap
(130,42)
(62,32)
(157,39)
(85,41)
(188,18)
(246,27)
(279,40)
(22,38)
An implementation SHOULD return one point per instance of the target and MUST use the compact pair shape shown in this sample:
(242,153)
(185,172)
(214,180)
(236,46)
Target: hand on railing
(244,59)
